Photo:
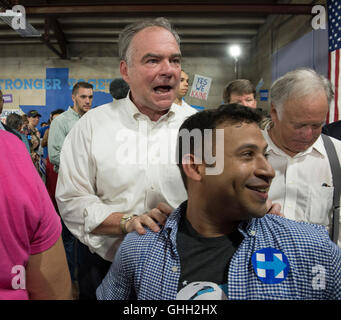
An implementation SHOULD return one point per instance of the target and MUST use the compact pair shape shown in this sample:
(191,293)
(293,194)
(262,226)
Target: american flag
(334,66)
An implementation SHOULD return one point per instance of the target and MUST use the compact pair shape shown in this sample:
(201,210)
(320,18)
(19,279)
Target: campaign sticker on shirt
(200,290)
(270,265)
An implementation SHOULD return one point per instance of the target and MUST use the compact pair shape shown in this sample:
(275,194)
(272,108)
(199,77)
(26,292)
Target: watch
(125,218)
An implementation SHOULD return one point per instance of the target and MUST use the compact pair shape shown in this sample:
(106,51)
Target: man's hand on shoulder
(274,208)
(151,219)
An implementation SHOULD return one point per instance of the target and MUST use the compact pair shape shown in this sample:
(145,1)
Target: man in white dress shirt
(303,184)
(117,167)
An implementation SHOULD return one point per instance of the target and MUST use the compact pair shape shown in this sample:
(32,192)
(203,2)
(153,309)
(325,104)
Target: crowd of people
(150,199)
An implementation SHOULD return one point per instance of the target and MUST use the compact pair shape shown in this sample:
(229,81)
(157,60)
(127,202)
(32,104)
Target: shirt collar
(316,147)
(319,146)
(171,227)
(74,112)
(131,108)
(172,111)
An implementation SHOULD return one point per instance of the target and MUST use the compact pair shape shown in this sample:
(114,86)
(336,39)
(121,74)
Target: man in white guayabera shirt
(303,184)
(117,169)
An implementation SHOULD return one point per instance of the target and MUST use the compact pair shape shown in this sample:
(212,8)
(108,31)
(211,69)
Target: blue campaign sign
(263,95)
(270,265)
(58,91)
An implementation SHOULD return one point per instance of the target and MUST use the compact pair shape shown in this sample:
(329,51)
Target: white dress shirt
(303,184)
(111,162)
(184,104)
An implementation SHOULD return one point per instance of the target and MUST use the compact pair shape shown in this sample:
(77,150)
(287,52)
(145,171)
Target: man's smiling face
(240,192)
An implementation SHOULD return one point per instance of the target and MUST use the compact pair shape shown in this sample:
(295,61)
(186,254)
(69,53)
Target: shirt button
(252,232)
(174,269)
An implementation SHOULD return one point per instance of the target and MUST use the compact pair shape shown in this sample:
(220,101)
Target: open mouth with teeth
(162,89)
(260,191)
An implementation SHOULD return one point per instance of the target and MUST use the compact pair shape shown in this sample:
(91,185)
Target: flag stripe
(331,107)
(329,67)
(337,72)
(334,43)
(334,76)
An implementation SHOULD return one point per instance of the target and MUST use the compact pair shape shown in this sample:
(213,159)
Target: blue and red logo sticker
(270,265)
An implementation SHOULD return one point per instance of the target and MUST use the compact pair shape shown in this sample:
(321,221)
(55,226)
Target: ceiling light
(234,51)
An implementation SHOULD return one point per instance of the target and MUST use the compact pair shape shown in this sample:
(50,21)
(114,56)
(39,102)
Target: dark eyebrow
(177,55)
(153,55)
(150,55)
(247,146)
(250,146)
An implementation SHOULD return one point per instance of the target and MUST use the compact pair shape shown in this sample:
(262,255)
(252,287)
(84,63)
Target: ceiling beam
(180,31)
(184,21)
(169,8)
(60,36)
(87,41)
(50,23)
(111,40)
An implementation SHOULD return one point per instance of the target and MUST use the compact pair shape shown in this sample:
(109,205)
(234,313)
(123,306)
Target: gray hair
(14,121)
(298,83)
(127,34)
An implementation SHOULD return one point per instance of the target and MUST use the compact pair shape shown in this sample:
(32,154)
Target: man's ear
(124,71)
(193,169)
(73,97)
(273,113)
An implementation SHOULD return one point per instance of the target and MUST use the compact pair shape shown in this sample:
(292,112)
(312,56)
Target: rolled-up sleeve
(81,209)
(55,142)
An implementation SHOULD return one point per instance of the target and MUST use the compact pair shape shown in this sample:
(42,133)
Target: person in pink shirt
(33,263)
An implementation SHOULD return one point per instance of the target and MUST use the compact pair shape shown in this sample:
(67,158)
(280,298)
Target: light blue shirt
(59,129)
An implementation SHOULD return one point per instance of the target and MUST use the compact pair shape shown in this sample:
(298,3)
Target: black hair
(119,88)
(57,111)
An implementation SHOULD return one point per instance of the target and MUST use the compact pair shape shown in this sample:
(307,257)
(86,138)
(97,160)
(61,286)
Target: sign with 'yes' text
(201,87)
